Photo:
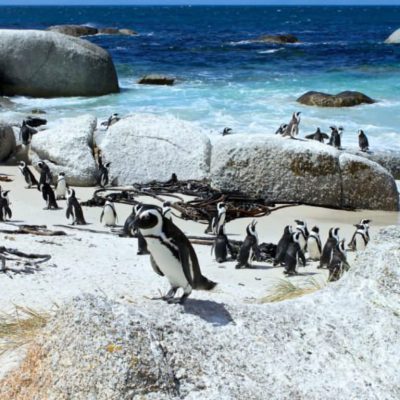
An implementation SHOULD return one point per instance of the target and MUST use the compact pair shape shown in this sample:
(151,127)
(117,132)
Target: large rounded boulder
(7,142)
(343,99)
(48,64)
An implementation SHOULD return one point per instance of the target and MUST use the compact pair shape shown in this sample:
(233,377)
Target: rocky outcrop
(276,39)
(67,147)
(394,38)
(345,334)
(343,99)
(6,103)
(7,142)
(142,148)
(297,171)
(48,64)
(156,80)
(84,30)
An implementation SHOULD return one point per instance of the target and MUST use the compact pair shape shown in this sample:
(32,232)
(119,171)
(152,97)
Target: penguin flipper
(101,215)
(155,267)
(69,211)
(324,136)
(310,136)
(8,212)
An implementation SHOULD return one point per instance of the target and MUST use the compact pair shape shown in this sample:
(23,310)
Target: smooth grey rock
(155,79)
(7,142)
(277,39)
(394,38)
(73,30)
(343,99)
(49,64)
(142,148)
(285,170)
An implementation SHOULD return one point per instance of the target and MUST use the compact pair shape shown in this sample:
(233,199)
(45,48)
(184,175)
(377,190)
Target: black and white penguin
(113,119)
(166,209)
(314,246)
(292,130)
(329,246)
(74,209)
(363,141)
(221,246)
(304,233)
(28,175)
(219,219)
(109,215)
(249,248)
(5,210)
(338,262)
(282,129)
(335,140)
(360,237)
(282,246)
(226,131)
(48,196)
(294,254)
(102,174)
(25,133)
(61,186)
(45,174)
(172,254)
(318,136)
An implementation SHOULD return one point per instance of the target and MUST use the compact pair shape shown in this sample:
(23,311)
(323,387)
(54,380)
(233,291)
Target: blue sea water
(224,80)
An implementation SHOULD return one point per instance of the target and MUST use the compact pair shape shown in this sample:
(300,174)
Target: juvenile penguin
(166,209)
(74,209)
(249,248)
(329,246)
(360,238)
(292,130)
(282,246)
(61,186)
(26,132)
(294,255)
(281,130)
(338,263)
(48,196)
(304,233)
(172,254)
(219,219)
(226,131)
(335,139)
(318,136)
(108,214)
(314,246)
(221,246)
(363,141)
(45,174)
(5,210)
(113,119)
(102,174)
(28,175)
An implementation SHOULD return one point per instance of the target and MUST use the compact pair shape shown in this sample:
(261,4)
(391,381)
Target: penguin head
(296,237)
(341,247)
(335,233)
(251,228)
(22,164)
(288,229)
(315,229)
(136,208)
(300,223)
(40,164)
(149,218)
(221,207)
(166,204)
(61,174)
(4,194)
(365,222)
(360,132)
(340,130)
(318,130)
(107,164)
(70,193)
(333,128)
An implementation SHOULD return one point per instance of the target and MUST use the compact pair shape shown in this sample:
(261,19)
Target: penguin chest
(167,262)
(61,188)
(313,249)
(360,242)
(302,242)
(108,217)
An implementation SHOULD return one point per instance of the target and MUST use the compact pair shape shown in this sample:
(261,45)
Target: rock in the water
(156,80)
(127,32)
(394,38)
(6,103)
(297,171)
(142,148)
(73,30)
(277,39)
(7,142)
(67,147)
(48,64)
(343,99)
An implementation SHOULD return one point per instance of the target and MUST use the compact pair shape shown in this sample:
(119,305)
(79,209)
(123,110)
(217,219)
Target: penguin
(221,246)
(45,174)
(25,133)
(102,175)
(360,238)
(281,130)
(61,186)
(363,141)
(293,255)
(292,129)
(130,230)
(109,214)
(113,119)
(5,210)
(172,254)
(74,209)
(282,246)
(304,233)
(329,246)
(28,175)
(249,247)
(166,209)
(318,136)
(226,131)
(335,139)
(338,262)
(48,196)
(314,246)
(219,219)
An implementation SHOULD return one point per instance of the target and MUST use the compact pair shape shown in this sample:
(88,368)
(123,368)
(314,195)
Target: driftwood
(5,179)
(84,229)
(38,230)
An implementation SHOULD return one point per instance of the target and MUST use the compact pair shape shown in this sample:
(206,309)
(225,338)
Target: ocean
(224,80)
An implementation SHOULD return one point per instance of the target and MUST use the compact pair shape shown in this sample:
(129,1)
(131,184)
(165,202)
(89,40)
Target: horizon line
(202,5)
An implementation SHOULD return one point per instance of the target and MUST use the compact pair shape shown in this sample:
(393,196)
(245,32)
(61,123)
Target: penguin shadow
(305,274)
(263,267)
(210,311)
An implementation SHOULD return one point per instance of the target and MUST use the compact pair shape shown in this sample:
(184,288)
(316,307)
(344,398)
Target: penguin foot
(239,266)
(142,253)
(178,300)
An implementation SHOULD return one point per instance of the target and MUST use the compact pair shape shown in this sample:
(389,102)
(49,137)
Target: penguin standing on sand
(219,219)
(314,246)
(74,209)
(294,255)
(338,263)
(166,209)
(61,186)
(102,175)
(360,238)
(281,130)
(5,210)
(329,246)
(109,215)
(282,246)
(318,136)
(221,246)
(26,132)
(304,233)
(292,130)
(48,196)
(335,139)
(28,175)
(45,174)
(363,141)
(249,248)
(172,254)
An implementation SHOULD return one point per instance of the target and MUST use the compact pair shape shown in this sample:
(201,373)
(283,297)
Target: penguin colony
(171,253)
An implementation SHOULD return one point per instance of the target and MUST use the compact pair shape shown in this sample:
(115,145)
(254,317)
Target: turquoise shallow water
(223,80)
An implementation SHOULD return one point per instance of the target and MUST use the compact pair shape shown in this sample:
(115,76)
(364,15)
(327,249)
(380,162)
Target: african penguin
(249,248)
(219,219)
(5,210)
(26,132)
(61,186)
(363,141)
(338,262)
(172,254)
(28,175)
(48,196)
(221,246)
(282,246)
(360,238)
(304,233)
(281,130)
(74,209)
(109,215)
(102,174)
(314,246)
(294,255)
(329,246)
(292,129)
(318,136)
(113,119)
(45,174)
(335,139)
